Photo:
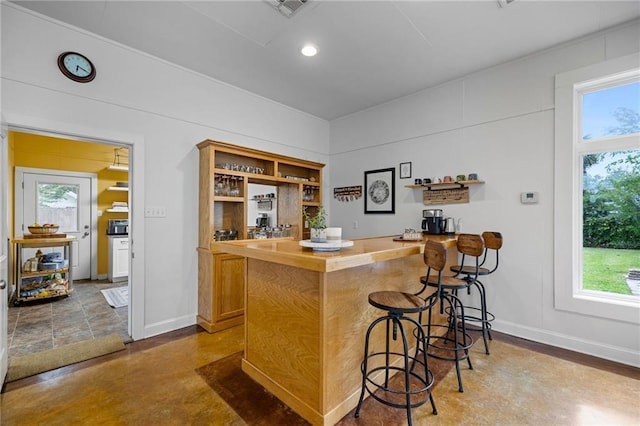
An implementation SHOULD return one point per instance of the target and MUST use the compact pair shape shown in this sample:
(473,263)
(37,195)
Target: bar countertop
(363,252)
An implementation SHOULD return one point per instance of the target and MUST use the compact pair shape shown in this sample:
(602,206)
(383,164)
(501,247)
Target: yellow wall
(45,152)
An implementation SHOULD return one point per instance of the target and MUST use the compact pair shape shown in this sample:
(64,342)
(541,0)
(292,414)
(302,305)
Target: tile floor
(84,315)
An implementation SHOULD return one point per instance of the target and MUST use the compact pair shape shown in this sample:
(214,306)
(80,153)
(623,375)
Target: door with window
(61,198)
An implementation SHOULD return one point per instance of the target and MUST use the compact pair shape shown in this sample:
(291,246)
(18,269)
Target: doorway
(85,314)
(62,198)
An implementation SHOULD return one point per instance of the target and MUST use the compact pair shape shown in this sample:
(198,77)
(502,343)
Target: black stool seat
(413,382)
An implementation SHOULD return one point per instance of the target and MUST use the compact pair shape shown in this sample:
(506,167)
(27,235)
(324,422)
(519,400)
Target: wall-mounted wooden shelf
(446,185)
(445,192)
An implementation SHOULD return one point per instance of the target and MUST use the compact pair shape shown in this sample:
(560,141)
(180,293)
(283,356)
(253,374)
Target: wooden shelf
(118,188)
(117,211)
(228,199)
(118,168)
(220,275)
(445,185)
(44,272)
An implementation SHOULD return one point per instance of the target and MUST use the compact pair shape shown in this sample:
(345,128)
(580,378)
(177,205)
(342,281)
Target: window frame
(569,149)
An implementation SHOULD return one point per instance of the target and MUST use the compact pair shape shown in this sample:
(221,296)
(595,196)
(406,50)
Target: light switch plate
(155,212)
(529,197)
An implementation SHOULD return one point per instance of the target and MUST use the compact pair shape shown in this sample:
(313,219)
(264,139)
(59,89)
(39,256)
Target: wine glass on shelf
(234,191)
(219,185)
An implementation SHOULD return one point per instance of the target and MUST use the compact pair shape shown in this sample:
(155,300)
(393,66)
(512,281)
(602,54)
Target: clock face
(77,67)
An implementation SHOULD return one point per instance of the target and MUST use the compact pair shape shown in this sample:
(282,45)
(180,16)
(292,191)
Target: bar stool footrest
(473,318)
(464,343)
(420,388)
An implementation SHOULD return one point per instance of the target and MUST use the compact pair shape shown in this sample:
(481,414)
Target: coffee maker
(262,221)
(433,222)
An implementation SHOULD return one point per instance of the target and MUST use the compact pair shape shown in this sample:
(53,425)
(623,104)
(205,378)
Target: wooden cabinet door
(229,271)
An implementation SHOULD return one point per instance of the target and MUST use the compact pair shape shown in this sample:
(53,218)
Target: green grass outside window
(605,269)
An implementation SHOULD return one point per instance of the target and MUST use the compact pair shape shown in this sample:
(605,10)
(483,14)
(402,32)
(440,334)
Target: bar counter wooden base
(306,315)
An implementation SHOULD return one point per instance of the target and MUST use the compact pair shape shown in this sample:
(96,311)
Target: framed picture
(380,194)
(405,170)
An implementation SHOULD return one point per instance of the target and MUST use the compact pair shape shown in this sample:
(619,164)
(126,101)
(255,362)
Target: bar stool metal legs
(480,315)
(412,385)
(492,242)
(455,343)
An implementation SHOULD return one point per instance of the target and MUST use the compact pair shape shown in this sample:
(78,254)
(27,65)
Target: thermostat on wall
(528,197)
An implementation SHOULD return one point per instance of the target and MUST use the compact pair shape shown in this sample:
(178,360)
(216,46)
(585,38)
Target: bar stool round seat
(411,386)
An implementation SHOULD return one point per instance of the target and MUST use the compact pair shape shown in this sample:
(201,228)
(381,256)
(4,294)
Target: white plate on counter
(328,246)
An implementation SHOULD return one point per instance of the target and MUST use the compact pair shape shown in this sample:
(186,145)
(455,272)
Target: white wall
(498,123)
(164,111)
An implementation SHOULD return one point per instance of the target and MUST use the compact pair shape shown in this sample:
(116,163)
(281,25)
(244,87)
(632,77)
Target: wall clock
(77,67)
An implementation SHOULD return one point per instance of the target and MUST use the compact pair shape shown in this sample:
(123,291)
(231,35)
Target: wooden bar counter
(306,314)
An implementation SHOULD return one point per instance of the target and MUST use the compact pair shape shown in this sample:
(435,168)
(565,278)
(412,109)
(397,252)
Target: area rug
(257,406)
(36,363)
(117,297)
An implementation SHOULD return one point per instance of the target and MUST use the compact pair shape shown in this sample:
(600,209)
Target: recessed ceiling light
(309,50)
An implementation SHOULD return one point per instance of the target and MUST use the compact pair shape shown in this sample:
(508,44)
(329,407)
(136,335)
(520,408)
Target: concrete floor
(154,382)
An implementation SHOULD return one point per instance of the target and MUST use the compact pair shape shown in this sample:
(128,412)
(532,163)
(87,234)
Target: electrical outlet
(355,224)
(155,212)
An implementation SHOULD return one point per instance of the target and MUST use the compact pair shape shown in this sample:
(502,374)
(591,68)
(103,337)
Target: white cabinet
(118,258)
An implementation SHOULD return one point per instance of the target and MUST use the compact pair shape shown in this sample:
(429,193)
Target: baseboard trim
(172,324)
(589,347)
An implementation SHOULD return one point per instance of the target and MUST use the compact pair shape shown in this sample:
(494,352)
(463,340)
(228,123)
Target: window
(58,203)
(597,187)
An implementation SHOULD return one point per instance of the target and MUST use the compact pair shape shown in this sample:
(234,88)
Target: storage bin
(46,266)
(52,257)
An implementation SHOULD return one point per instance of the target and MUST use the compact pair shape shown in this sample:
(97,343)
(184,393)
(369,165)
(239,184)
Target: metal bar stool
(455,343)
(412,388)
(492,241)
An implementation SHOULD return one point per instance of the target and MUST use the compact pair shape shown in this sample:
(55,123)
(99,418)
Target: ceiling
(370,52)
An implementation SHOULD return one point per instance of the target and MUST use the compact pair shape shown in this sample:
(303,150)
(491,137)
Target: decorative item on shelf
(300,178)
(317,223)
(47,228)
